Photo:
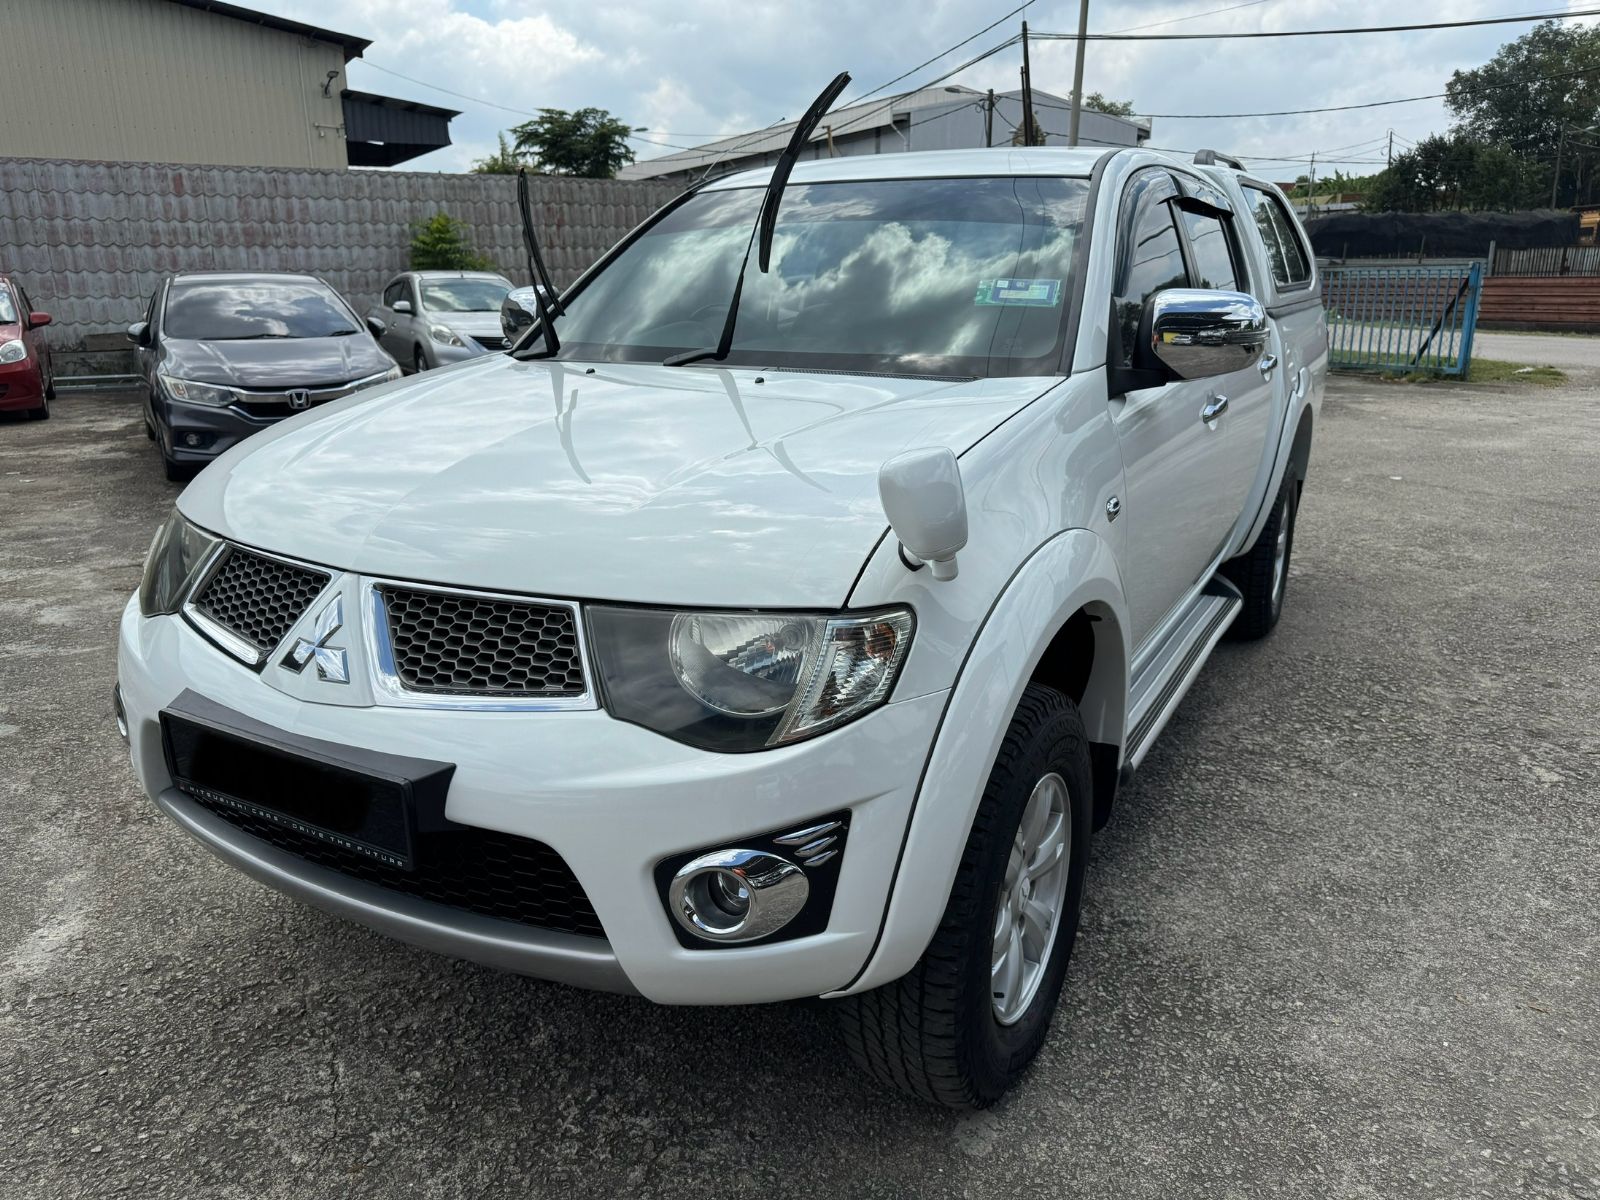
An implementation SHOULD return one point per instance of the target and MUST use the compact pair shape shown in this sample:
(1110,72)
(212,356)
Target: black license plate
(363,802)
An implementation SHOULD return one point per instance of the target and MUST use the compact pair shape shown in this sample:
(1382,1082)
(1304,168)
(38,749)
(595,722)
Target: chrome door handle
(1266,365)
(1214,408)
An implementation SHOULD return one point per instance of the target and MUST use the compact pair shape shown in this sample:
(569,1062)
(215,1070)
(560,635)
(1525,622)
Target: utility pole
(988,120)
(1388,158)
(1027,92)
(1555,180)
(1311,189)
(1077,72)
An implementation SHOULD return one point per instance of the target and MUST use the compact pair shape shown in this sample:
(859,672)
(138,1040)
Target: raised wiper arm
(767,218)
(543,292)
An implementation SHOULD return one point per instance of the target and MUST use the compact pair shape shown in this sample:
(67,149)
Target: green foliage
(1512,101)
(504,161)
(589,142)
(1336,184)
(440,244)
(1096,102)
(1455,171)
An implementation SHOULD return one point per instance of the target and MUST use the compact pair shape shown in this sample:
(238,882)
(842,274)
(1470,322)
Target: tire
(937,1033)
(176,472)
(50,386)
(419,361)
(42,413)
(1262,574)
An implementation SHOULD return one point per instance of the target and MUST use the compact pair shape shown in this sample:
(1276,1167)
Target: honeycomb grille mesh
(259,599)
(477,870)
(477,646)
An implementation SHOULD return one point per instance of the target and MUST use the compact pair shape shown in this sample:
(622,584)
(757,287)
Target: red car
(27,380)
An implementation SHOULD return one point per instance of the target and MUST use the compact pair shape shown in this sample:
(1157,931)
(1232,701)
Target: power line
(1210,12)
(1277,33)
(521,112)
(942,53)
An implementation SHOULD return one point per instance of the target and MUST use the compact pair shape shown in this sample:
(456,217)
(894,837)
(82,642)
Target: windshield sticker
(1023,293)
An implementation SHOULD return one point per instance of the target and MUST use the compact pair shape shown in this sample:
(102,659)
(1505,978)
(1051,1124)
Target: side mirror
(517,311)
(401,306)
(38,320)
(1196,333)
(139,333)
(376,325)
(926,505)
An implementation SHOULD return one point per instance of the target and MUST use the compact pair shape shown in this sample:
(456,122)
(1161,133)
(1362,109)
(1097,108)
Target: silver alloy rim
(1280,556)
(1032,897)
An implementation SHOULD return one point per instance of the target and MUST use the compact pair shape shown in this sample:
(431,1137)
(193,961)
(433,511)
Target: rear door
(1176,515)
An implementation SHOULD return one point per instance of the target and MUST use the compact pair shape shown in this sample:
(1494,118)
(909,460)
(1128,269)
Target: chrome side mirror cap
(518,310)
(1196,333)
(926,505)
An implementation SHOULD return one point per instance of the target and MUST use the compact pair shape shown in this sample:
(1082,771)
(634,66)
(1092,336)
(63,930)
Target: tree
(1095,102)
(1537,94)
(589,142)
(504,161)
(440,244)
(1017,138)
(1455,171)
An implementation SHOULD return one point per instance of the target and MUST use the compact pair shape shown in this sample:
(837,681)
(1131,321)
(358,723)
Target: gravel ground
(1340,941)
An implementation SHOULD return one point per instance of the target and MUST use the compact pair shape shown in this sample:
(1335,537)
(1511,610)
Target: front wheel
(419,361)
(963,1026)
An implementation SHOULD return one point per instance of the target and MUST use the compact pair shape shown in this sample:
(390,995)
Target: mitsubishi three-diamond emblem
(333,664)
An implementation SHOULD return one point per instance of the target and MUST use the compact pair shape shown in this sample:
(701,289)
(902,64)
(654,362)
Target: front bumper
(21,385)
(611,798)
(218,429)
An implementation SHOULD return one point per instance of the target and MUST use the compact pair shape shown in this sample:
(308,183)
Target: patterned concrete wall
(91,240)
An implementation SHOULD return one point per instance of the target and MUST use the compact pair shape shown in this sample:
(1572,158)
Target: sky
(690,70)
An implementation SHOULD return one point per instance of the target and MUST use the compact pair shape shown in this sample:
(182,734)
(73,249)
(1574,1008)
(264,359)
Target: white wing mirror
(926,506)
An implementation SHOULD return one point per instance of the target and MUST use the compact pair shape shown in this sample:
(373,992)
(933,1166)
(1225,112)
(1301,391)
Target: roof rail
(1210,158)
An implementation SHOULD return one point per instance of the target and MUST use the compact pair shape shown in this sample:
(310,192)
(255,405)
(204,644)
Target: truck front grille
(476,870)
(256,598)
(455,644)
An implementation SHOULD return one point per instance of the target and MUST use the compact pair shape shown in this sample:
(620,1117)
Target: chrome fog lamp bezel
(776,891)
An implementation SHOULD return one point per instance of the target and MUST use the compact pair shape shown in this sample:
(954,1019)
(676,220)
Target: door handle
(1214,408)
(1266,365)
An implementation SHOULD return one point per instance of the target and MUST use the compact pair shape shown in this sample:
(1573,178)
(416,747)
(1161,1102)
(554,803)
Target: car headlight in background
(745,681)
(13,351)
(175,555)
(444,335)
(388,376)
(191,392)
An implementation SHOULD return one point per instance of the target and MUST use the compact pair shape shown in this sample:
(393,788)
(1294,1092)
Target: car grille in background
(258,599)
(490,343)
(478,870)
(475,645)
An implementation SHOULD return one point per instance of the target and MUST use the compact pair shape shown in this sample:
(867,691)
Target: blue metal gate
(1402,319)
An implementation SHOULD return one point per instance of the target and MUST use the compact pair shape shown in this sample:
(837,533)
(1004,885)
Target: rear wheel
(1262,573)
(963,1026)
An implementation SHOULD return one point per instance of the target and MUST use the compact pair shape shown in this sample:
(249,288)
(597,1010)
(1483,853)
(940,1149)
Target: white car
(806,671)
(436,318)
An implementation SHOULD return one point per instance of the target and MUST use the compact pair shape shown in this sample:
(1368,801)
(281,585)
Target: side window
(1290,266)
(393,292)
(1151,255)
(1214,262)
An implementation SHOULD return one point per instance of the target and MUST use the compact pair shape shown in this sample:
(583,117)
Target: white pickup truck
(804,669)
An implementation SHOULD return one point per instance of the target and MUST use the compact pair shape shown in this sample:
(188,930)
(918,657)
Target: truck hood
(657,485)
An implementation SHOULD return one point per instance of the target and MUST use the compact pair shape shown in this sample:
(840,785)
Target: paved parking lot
(1341,938)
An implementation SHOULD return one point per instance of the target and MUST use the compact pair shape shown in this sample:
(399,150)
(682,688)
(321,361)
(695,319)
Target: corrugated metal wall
(148,80)
(90,241)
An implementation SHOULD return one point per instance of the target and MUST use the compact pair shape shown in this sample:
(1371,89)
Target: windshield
(8,307)
(464,295)
(919,276)
(234,310)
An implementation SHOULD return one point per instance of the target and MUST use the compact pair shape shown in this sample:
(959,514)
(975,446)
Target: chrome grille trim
(279,397)
(390,689)
(240,642)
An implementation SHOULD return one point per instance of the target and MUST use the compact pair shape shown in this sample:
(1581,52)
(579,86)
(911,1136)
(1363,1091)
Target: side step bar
(1158,688)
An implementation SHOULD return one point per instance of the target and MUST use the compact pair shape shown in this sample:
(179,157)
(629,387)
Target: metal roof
(381,131)
(353,46)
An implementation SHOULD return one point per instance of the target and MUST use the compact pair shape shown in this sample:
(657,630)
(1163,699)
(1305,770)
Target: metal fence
(1402,319)
(91,240)
(1547,260)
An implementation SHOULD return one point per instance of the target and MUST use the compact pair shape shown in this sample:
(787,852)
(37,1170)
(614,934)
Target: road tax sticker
(1018,293)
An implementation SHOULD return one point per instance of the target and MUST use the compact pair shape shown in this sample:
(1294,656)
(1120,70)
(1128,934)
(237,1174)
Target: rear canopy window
(918,276)
(240,310)
(1284,248)
(463,295)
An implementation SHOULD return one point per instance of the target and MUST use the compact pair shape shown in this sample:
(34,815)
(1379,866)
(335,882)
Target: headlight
(444,335)
(388,376)
(175,554)
(13,351)
(745,681)
(197,393)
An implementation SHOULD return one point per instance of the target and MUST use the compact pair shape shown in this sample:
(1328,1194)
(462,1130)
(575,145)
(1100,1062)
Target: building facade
(194,81)
(937,118)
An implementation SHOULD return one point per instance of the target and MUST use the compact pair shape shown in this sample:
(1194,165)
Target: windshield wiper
(766,220)
(544,293)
